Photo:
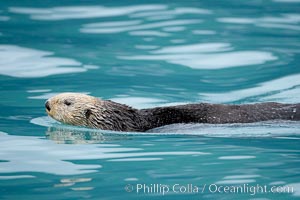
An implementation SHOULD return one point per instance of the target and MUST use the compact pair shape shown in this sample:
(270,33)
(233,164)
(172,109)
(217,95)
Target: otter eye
(67,102)
(87,113)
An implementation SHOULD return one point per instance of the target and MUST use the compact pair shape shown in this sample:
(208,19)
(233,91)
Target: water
(146,54)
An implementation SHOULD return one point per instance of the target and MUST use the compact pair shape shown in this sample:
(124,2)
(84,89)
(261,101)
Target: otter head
(71,108)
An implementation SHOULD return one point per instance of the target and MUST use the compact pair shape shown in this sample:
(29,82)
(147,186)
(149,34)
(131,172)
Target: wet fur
(108,115)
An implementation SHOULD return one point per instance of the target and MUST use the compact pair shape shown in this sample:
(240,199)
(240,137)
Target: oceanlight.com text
(163,189)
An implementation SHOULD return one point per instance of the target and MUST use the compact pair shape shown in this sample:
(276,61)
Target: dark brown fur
(114,116)
(120,117)
(219,113)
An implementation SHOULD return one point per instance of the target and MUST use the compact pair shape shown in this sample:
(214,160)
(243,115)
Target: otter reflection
(62,135)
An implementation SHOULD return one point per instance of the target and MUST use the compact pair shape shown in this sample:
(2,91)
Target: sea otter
(88,111)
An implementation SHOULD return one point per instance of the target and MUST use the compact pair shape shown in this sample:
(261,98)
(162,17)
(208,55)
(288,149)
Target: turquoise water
(146,54)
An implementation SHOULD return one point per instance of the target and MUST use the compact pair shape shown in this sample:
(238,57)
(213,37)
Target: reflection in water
(67,136)
(132,71)
(194,48)
(204,32)
(173,12)
(239,157)
(15,177)
(286,21)
(174,29)
(149,47)
(29,154)
(71,134)
(149,12)
(4,18)
(67,182)
(149,33)
(206,56)
(197,60)
(275,90)
(239,179)
(259,129)
(23,62)
(92,28)
(81,12)
(114,24)
(287,1)
(39,155)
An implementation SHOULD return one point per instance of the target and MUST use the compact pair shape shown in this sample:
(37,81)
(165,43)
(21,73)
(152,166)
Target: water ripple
(286,21)
(81,12)
(274,90)
(194,48)
(39,155)
(287,1)
(259,129)
(118,29)
(239,157)
(197,60)
(174,12)
(149,33)
(24,62)
(238,130)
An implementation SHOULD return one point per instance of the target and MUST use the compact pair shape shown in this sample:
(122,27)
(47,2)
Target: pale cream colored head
(71,108)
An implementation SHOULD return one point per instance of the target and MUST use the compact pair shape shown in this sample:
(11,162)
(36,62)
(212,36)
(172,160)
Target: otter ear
(87,113)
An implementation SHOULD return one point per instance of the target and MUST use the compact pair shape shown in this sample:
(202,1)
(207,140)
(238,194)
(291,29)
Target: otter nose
(47,105)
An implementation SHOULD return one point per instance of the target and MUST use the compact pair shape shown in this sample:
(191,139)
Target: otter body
(84,110)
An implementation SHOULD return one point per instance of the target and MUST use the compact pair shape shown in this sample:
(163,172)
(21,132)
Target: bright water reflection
(17,61)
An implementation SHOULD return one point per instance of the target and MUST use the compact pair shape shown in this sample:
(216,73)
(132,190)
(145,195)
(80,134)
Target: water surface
(147,54)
